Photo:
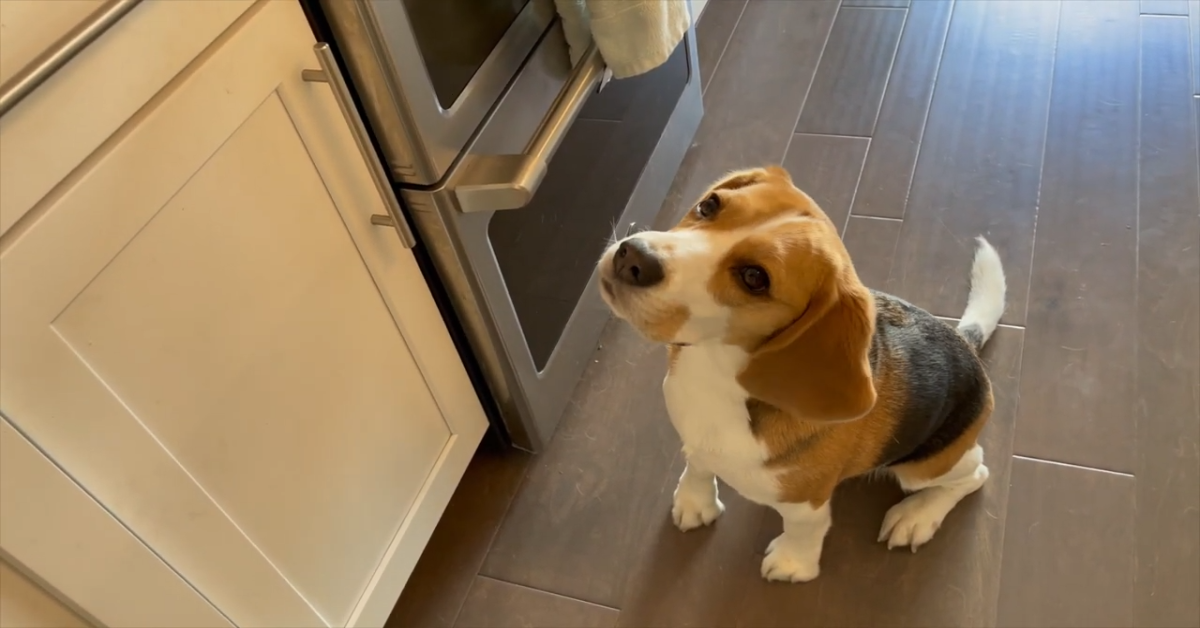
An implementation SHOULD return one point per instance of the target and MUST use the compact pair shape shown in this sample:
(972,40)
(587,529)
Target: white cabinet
(202,328)
(23,604)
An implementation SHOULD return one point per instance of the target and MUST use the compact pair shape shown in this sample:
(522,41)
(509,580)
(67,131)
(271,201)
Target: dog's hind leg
(913,521)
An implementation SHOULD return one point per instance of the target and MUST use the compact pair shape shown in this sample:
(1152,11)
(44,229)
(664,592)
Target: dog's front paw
(692,509)
(786,563)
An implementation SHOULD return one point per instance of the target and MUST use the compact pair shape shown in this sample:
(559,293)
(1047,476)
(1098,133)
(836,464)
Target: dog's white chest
(708,408)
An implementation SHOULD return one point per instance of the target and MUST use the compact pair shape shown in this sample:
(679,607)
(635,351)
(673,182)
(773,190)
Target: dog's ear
(779,171)
(818,368)
(739,179)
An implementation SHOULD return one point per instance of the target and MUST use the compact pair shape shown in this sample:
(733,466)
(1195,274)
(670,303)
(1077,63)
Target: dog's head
(755,263)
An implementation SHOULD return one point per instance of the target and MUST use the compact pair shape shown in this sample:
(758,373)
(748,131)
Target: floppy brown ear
(779,171)
(818,367)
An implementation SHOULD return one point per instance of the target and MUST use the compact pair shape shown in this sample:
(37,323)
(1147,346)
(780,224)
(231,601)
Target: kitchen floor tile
(893,4)
(692,579)
(981,155)
(576,527)
(495,604)
(758,90)
(1168,337)
(1194,22)
(1165,7)
(872,244)
(826,167)
(888,172)
(846,92)
(1078,374)
(1068,553)
(713,31)
(442,577)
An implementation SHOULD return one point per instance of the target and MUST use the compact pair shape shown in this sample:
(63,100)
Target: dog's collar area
(679,344)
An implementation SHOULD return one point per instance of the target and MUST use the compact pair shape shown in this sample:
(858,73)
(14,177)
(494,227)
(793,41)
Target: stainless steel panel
(507,181)
(532,400)
(420,138)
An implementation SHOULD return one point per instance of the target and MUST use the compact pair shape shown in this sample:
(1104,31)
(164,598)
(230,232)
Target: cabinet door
(51,527)
(204,330)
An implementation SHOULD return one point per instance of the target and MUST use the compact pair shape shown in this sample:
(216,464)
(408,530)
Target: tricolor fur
(787,375)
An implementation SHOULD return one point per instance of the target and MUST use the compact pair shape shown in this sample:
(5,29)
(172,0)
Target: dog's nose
(635,264)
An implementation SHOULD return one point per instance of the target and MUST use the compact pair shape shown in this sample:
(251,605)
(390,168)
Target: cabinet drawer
(49,134)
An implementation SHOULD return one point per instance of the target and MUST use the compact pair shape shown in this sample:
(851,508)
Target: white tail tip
(985,304)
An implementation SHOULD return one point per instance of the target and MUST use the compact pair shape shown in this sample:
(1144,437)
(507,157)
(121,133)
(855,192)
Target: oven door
(429,71)
(516,227)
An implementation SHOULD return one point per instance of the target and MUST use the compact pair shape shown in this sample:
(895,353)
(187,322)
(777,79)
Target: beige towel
(634,36)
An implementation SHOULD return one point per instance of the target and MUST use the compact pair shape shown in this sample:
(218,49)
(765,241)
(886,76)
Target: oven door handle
(496,182)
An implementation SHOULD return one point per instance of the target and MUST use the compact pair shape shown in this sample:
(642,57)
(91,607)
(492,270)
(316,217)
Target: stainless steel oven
(515,169)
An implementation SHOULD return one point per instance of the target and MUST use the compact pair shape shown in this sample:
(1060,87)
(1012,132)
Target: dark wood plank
(1168,357)
(1068,550)
(495,604)
(872,244)
(696,578)
(1077,382)
(1165,7)
(1194,21)
(895,4)
(845,95)
(713,31)
(883,190)
(755,98)
(576,526)
(981,155)
(827,167)
(952,581)
(439,583)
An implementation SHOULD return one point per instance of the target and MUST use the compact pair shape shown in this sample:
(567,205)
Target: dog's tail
(986,301)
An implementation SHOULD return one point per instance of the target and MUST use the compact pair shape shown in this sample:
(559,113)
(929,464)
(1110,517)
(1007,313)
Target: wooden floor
(1064,131)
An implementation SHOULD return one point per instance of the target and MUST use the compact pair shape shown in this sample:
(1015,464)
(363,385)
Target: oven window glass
(548,249)
(456,37)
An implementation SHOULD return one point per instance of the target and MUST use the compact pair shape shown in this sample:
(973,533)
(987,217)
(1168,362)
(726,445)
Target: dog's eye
(754,278)
(708,207)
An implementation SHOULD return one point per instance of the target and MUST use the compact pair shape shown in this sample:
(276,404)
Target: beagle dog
(787,375)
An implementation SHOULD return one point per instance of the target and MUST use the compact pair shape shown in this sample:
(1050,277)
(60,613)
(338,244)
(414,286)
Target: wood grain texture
(1077,382)
(713,31)
(1165,7)
(756,93)
(1194,22)
(888,172)
(577,525)
(1068,551)
(826,167)
(694,579)
(495,604)
(981,155)
(872,245)
(849,85)
(1168,336)
(439,584)
(952,581)
(895,4)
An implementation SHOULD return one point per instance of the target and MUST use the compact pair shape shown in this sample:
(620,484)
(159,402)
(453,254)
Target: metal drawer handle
(46,64)
(329,73)
(496,182)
